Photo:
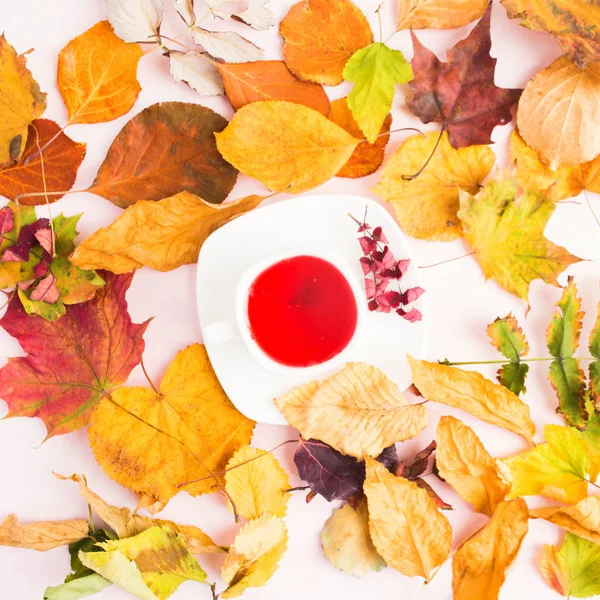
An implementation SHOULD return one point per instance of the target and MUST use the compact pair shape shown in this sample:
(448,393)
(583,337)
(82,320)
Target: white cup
(226,331)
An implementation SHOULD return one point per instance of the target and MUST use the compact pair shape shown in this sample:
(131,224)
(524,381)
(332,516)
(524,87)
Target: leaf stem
(396,131)
(43,169)
(587,199)
(300,488)
(505,362)
(443,262)
(437,143)
(378,12)
(52,139)
(148,377)
(46,194)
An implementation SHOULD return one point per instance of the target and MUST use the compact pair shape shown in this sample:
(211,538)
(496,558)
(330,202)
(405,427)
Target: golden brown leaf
(582,519)
(472,392)
(358,411)
(466,465)
(42,536)
(288,147)
(559,113)
(427,206)
(479,565)
(161,235)
(319,36)
(438,14)
(406,527)
(153,443)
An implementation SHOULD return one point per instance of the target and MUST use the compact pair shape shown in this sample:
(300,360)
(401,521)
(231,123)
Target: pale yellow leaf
(43,535)
(438,14)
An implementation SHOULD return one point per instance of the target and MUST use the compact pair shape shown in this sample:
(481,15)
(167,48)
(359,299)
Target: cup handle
(221,332)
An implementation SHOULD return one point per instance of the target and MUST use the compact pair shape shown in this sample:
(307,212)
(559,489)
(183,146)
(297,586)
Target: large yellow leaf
(20,103)
(533,174)
(406,527)
(472,392)
(505,229)
(582,519)
(479,565)
(152,443)
(427,206)
(288,147)
(254,555)
(466,465)
(559,113)
(43,535)
(358,411)
(162,235)
(439,14)
(97,75)
(257,483)
(556,469)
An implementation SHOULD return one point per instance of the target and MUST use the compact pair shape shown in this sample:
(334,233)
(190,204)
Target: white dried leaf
(225,9)
(135,20)
(185,8)
(198,71)
(227,45)
(258,15)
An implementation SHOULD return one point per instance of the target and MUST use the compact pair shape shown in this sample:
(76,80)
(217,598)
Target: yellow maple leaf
(472,392)
(465,464)
(43,535)
(257,483)
(479,565)
(427,206)
(254,555)
(154,442)
(505,229)
(406,527)
(358,411)
(438,14)
(162,235)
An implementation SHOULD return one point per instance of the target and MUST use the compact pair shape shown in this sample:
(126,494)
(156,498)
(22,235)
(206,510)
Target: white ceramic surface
(317,224)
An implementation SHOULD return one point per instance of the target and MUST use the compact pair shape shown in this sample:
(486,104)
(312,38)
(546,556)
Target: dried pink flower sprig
(380,267)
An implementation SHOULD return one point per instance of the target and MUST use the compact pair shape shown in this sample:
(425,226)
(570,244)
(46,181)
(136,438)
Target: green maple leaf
(374,70)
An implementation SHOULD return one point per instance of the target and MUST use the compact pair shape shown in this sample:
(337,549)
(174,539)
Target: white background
(462,304)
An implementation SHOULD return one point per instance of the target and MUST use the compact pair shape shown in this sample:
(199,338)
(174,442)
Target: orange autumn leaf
(97,75)
(320,36)
(61,162)
(269,80)
(367,158)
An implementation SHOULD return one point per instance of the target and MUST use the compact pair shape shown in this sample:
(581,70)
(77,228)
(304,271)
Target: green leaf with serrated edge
(594,368)
(78,588)
(88,544)
(512,376)
(375,71)
(65,230)
(591,437)
(566,374)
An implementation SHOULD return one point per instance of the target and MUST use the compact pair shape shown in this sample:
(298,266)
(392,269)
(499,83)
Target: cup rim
(241,312)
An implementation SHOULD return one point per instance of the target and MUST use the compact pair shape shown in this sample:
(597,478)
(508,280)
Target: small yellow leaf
(258,485)
(162,235)
(465,464)
(347,542)
(406,527)
(472,392)
(288,147)
(427,206)
(254,555)
(42,536)
(479,565)
(438,14)
(358,411)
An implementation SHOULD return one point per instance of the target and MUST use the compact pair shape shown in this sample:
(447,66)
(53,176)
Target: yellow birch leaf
(479,565)
(152,443)
(438,14)
(472,392)
(288,147)
(466,465)
(254,555)
(407,529)
(162,235)
(556,469)
(42,536)
(258,485)
(358,411)
(427,206)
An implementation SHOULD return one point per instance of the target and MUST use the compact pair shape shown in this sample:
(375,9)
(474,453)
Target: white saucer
(319,222)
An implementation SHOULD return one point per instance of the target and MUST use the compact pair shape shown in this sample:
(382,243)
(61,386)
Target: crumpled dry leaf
(472,392)
(465,464)
(358,411)
(42,536)
(135,20)
(438,14)
(347,543)
(21,101)
(161,235)
(407,529)
(479,565)
(563,137)
(197,70)
(427,206)
(97,75)
(254,555)
(259,486)
(319,36)
(191,426)
(286,146)
(227,45)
